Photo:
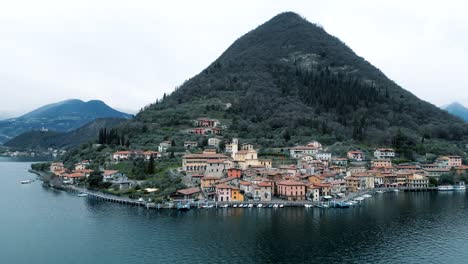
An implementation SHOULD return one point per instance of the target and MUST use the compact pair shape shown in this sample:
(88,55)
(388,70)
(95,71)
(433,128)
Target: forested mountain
(62,117)
(289,80)
(51,139)
(457,109)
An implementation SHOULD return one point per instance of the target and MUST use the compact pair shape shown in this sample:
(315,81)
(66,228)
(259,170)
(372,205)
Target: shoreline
(97,195)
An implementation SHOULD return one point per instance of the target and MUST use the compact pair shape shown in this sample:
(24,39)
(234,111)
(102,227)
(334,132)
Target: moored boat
(307,205)
(26,181)
(260,205)
(183,207)
(445,188)
(459,186)
(82,195)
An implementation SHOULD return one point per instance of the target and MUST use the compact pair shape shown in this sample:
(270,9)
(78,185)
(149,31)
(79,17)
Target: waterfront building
(193,193)
(263,191)
(417,181)
(291,190)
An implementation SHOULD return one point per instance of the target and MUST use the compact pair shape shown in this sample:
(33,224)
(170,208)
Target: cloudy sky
(128,53)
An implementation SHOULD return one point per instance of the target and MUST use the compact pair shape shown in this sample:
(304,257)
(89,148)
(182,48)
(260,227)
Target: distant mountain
(60,117)
(457,109)
(289,81)
(51,139)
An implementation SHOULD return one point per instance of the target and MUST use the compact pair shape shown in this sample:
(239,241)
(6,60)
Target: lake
(41,225)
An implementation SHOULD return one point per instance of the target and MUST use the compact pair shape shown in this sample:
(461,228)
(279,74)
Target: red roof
(110,172)
(205,156)
(264,184)
(291,183)
(224,186)
(74,175)
(189,191)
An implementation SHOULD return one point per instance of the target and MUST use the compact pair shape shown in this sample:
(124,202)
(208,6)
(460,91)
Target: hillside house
(355,155)
(384,153)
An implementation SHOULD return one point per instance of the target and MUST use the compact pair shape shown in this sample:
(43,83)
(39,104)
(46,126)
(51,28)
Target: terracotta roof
(245,183)
(224,186)
(264,184)
(205,156)
(109,172)
(189,191)
(291,183)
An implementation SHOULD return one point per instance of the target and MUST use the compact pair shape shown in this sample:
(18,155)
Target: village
(235,173)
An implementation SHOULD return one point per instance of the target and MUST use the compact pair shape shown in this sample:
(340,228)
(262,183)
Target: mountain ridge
(61,116)
(457,109)
(289,75)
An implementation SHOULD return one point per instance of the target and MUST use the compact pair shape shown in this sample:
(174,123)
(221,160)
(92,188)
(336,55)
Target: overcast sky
(128,53)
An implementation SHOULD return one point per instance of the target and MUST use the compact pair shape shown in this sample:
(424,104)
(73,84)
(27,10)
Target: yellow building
(236,195)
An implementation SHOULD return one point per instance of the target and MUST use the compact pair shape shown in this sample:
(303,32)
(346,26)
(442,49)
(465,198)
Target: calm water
(39,225)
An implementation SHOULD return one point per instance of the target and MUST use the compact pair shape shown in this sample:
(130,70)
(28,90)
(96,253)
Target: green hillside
(288,81)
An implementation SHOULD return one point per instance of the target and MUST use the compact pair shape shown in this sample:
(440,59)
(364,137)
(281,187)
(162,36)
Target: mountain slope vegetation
(52,139)
(288,81)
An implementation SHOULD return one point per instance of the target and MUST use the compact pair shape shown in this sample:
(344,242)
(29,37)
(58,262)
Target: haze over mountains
(60,117)
(285,82)
(289,78)
(457,109)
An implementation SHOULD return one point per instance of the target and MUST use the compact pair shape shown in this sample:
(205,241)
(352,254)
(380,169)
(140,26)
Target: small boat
(260,205)
(26,182)
(183,207)
(307,205)
(225,206)
(82,195)
(275,206)
(367,195)
(379,192)
(459,186)
(141,200)
(342,205)
(281,205)
(250,205)
(234,206)
(396,190)
(359,199)
(445,188)
(270,206)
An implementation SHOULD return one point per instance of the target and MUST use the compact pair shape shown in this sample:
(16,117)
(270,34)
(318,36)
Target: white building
(384,153)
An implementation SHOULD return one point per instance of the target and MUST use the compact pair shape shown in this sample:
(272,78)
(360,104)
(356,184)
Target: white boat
(141,200)
(82,195)
(281,205)
(459,186)
(275,206)
(307,205)
(379,192)
(367,196)
(359,199)
(26,182)
(234,206)
(260,205)
(396,190)
(250,205)
(445,188)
